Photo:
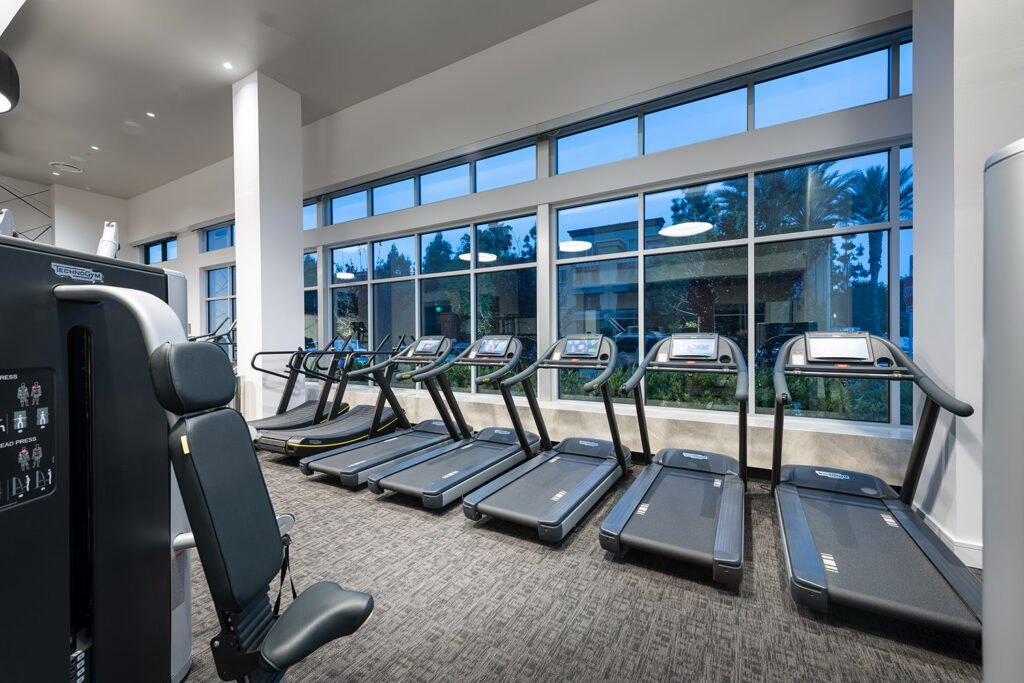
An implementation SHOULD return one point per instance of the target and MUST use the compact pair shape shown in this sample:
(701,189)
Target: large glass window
(906,183)
(506,242)
(348,264)
(444,310)
(220,304)
(602,145)
(705,119)
(394,258)
(907,319)
(906,68)
(348,207)
(219,237)
(444,184)
(830,194)
(506,303)
(700,213)
(824,283)
(158,252)
(310,217)
(394,315)
(311,300)
(350,313)
(517,166)
(693,291)
(602,228)
(599,297)
(847,83)
(394,196)
(445,250)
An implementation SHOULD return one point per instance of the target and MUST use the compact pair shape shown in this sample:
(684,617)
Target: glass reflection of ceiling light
(486,257)
(345,275)
(575,245)
(466,257)
(10,85)
(688,229)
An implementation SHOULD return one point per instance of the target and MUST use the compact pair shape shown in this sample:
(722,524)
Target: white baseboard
(969,553)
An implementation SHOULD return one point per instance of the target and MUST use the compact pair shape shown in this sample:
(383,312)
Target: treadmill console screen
(427,346)
(582,347)
(493,346)
(824,348)
(694,347)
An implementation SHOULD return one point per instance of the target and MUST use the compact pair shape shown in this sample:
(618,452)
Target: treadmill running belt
(681,517)
(413,480)
(531,495)
(407,442)
(348,428)
(299,416)
(872,563)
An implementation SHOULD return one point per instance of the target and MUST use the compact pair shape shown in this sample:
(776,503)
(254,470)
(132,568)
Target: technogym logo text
(831,475)
(76,273)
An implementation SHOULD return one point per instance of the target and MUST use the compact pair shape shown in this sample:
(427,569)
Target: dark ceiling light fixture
(10,85)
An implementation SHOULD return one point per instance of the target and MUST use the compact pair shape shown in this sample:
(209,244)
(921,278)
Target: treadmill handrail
(517,354)
(613,360)
(531,369)
(634,380)
(742,377)
(930,388)
(404,356)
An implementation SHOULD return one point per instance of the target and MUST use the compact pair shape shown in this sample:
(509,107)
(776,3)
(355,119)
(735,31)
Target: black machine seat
(234,524)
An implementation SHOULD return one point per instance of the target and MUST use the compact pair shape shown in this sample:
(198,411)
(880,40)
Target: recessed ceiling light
(133,124)
(345,275)
(150,114)
(486,257)
(228,65)
(575,245)
(687,229)
(94,148)
(54,173)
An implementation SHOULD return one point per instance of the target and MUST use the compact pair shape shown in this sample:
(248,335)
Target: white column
(968,92)
(268,230)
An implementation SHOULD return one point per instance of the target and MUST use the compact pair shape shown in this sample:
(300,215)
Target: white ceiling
(89,67)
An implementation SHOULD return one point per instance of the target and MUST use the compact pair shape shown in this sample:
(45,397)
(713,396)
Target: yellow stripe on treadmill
(340,443)
(184,444)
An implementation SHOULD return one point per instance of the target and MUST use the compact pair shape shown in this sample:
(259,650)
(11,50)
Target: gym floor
(464,601)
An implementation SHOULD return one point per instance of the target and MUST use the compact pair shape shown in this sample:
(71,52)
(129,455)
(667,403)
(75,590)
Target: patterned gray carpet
(464,601)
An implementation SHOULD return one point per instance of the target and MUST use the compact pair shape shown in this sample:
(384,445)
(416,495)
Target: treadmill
(554,490)
(354,463)
(687,504)
(849,539)
(358,423)
(308,412)
(442,475)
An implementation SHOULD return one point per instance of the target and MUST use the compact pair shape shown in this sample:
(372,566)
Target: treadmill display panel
(694,347)
(493,347)
(427,346)
(828,348)
(582,347)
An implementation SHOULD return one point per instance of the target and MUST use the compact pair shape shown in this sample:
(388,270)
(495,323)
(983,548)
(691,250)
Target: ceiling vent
(64,168)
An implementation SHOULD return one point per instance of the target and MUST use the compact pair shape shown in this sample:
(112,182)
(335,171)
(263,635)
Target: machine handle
(439,366)
(631,383)
(927,384)
(742,376)
(606,375)
(516,379)
(782,395)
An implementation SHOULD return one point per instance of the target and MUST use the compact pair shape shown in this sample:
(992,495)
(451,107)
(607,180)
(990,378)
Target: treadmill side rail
(963,581)
(615,522)
(727,563)
(806,574)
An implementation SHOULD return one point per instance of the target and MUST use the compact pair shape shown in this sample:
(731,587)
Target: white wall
(78,218)
(600,53)
(968,94)
(199,197)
